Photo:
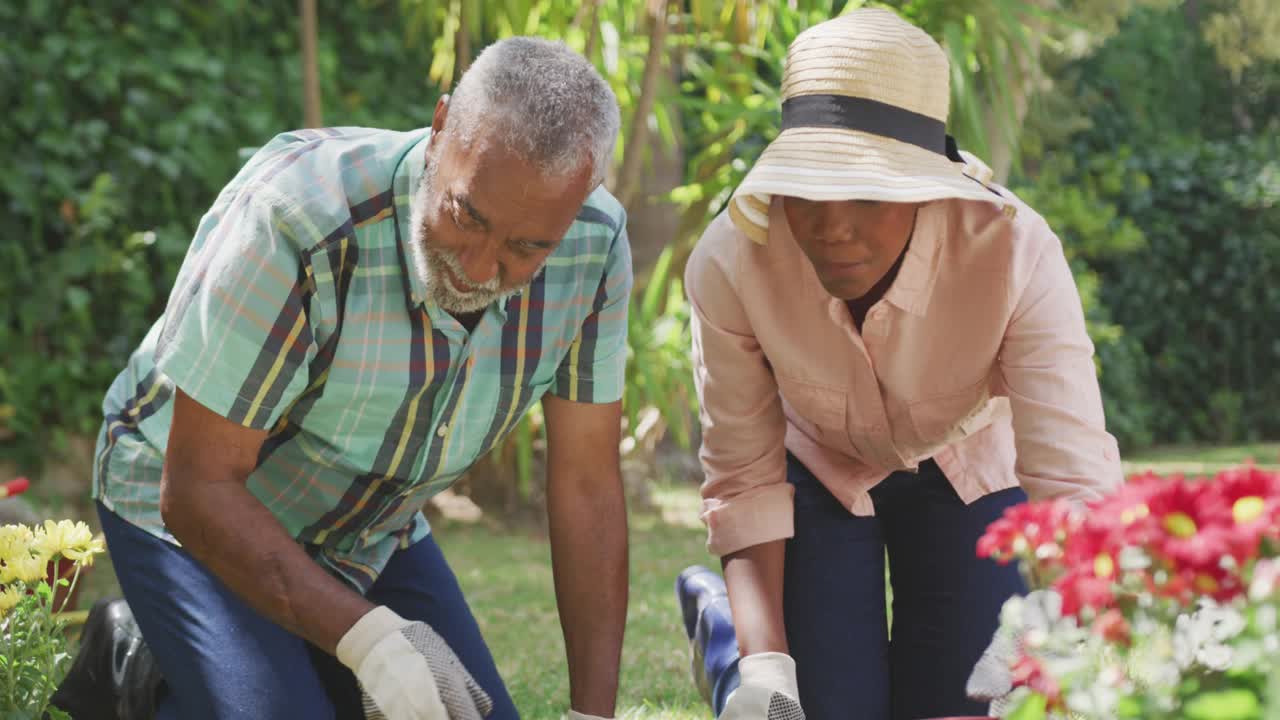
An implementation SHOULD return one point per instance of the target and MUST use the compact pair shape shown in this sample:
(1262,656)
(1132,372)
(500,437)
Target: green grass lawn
(1201,459)
(507,579)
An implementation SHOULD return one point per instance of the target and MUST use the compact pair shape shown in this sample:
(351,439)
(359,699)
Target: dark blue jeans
(946,601)
(222,660)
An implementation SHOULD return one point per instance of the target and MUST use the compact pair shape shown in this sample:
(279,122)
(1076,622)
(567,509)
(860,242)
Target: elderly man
(361,316)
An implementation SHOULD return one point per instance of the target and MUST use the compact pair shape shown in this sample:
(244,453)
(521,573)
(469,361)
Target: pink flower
(1081,589)
(1184,527)
(1247,501)
(1028,531)
(1030,673)
(1113,627)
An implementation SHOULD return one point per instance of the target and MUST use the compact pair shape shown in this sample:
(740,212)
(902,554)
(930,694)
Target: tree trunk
(633,152)
(311,116)
(462,42)
(1020,80)
(593,29)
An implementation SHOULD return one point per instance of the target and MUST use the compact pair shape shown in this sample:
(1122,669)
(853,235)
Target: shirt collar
(404,186)
(913,287)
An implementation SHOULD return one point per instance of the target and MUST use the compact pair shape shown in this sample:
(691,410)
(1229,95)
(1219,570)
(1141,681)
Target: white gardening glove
(767,690)
(407,671)
(575,715)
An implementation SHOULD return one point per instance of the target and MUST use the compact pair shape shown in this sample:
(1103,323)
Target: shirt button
(444,428)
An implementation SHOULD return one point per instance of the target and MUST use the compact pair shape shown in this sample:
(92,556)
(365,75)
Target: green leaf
(1234,704)
(1033,708)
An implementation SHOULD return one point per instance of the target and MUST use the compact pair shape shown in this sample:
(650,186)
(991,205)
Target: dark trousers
(946,601)
(222,660)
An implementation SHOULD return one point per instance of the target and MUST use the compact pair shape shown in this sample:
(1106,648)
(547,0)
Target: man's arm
(208,508)
(588,520)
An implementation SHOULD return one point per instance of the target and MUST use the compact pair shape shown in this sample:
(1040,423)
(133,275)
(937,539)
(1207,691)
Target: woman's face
(851,243)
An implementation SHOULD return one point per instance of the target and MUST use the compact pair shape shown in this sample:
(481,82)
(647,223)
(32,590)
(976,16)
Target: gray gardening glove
(768,689)
(407,671)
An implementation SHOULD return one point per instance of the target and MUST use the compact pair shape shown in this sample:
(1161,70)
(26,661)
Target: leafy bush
(1157,168)
(124,122)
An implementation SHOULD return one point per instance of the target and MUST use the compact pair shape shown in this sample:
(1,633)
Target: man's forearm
(589,559)
(230,532)
(754,579)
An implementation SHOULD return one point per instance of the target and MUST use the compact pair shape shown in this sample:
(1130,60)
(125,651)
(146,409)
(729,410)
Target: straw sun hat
(865,100)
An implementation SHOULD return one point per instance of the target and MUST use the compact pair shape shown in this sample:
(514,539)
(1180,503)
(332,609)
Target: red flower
(1029,672)
(1246,500)
(1029,530)
(1112,626)
(1189,584)
(1081,588)
(1184,528)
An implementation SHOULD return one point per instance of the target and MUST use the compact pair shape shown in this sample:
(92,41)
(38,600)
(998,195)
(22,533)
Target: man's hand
(588,521)
(408,672)
(768,690)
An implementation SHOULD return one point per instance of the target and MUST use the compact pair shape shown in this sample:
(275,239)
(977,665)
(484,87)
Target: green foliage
(1235,704)
(33,657)
(123,124)
(1194,291)
(1163,188)
(1204,303)
(659,367)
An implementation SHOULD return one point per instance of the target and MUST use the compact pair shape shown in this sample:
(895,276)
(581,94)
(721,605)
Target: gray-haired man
(361,316)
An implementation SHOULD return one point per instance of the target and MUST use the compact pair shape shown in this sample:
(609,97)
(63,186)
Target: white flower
(1132,558)
(1097,700)
(1201,638)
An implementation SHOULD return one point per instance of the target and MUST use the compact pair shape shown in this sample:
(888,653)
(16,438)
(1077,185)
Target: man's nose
(479,262)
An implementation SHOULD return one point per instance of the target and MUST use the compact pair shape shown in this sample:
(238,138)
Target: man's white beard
(429,264)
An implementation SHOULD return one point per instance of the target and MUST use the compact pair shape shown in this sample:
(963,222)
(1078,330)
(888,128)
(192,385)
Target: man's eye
(462,221)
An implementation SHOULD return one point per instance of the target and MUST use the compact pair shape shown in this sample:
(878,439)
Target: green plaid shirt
(295,311)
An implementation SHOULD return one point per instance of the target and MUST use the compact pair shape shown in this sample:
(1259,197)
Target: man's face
(485,220)
(851,243)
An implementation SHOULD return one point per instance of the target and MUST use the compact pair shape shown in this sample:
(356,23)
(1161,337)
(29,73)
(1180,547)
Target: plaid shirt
(295,311)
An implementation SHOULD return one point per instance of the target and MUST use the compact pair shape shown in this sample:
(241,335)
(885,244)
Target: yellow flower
(84,554)
(62,536)
(8,599)
(15,540)
(26,568)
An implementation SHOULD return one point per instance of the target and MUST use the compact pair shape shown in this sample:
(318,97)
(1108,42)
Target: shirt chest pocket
(946,418)
(817,410)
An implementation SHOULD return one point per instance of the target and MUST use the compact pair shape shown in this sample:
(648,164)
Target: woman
(889,352)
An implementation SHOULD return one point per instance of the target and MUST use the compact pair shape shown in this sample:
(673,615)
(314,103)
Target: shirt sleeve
(746,498)
(236,335)
(1046,369)
(595,368)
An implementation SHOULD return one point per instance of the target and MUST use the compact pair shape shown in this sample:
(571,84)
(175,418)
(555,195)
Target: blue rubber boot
(708,623)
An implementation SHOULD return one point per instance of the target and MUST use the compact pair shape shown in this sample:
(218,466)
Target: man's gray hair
(545,101)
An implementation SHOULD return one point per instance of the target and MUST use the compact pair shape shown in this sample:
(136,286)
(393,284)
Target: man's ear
(441,114)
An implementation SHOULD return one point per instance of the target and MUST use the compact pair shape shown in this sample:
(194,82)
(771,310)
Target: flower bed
(1160,601)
